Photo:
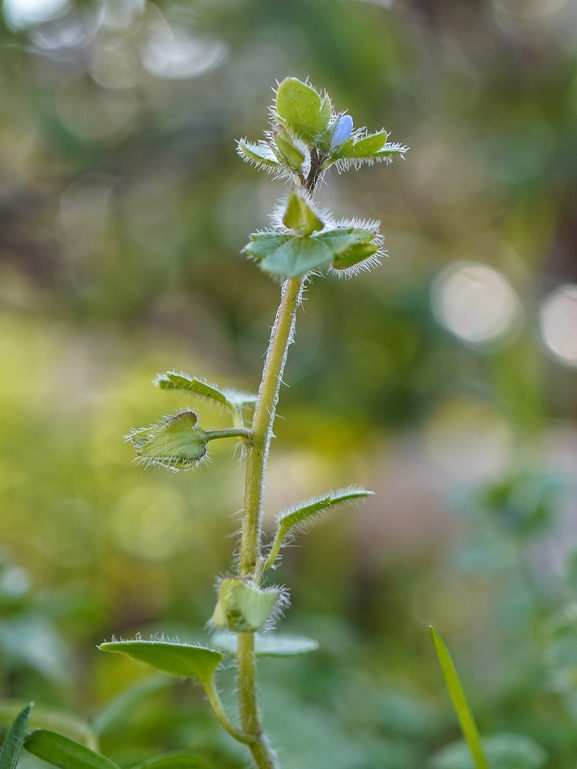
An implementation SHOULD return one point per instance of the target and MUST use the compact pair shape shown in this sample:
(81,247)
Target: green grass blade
(462,709)
(14,741)
(61,751)
(47,718)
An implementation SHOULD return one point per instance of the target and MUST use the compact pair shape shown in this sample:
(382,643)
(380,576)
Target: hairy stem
(250,545)
(257,453)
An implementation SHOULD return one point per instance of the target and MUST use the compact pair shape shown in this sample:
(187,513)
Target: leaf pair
(308,246)
(305,124)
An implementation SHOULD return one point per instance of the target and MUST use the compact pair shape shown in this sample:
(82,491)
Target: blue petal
(343,130)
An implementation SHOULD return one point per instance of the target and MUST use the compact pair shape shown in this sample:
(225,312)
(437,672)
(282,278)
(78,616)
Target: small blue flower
(343,130)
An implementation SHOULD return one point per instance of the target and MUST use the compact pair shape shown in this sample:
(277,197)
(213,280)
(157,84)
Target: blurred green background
(445,380)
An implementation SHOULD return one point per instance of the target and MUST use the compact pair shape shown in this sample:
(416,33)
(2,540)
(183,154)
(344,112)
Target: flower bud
(242,606)
(342,131)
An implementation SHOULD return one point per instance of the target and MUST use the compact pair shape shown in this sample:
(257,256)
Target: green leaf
(300,109)
(176,760)
(269,644)
(349,245)
(288,152)
(503,751)
(177,659)
(14,740)
(60,751)
(114,714)
(299,216)
(462,709)
(260,153)
(300,517)
(265,244)
(297,257)
(366,147)
(47,718)
(173,381)
(354,254)
(243,606)
(390,150)
(174,442)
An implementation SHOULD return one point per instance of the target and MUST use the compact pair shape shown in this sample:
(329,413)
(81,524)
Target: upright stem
(257,452)
(250,544)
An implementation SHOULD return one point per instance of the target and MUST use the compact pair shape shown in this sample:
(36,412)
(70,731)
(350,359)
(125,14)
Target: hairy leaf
(14,740)
(61,751)
(260,153)
(173,381)
(288,152)
(243,606)
(366,147)
(354,254)
(299,216)
(174,442)
(177,659)
(300,109)
(297,257)
(462,709)
(302,516)
(269,644)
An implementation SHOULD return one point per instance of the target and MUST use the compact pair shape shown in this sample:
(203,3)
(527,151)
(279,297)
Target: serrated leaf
(175,442)
(300,109)
(14,740)
(302,516)
(299,216)
(182,660)
(176,760)
(296,257)
(269,644)
(258,153)
(462,709)
(127,701)
(173,381)
(366,147)
(61,751)
(47,718)
(503,751)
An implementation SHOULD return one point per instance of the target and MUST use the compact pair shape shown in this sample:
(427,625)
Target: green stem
(231,432)
(219,711)
(250,544)
(257,453)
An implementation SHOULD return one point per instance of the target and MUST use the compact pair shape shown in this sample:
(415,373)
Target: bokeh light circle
(24,13)
(558,321)
(475,302)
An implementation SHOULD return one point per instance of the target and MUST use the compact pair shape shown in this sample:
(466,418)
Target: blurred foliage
(123,207)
